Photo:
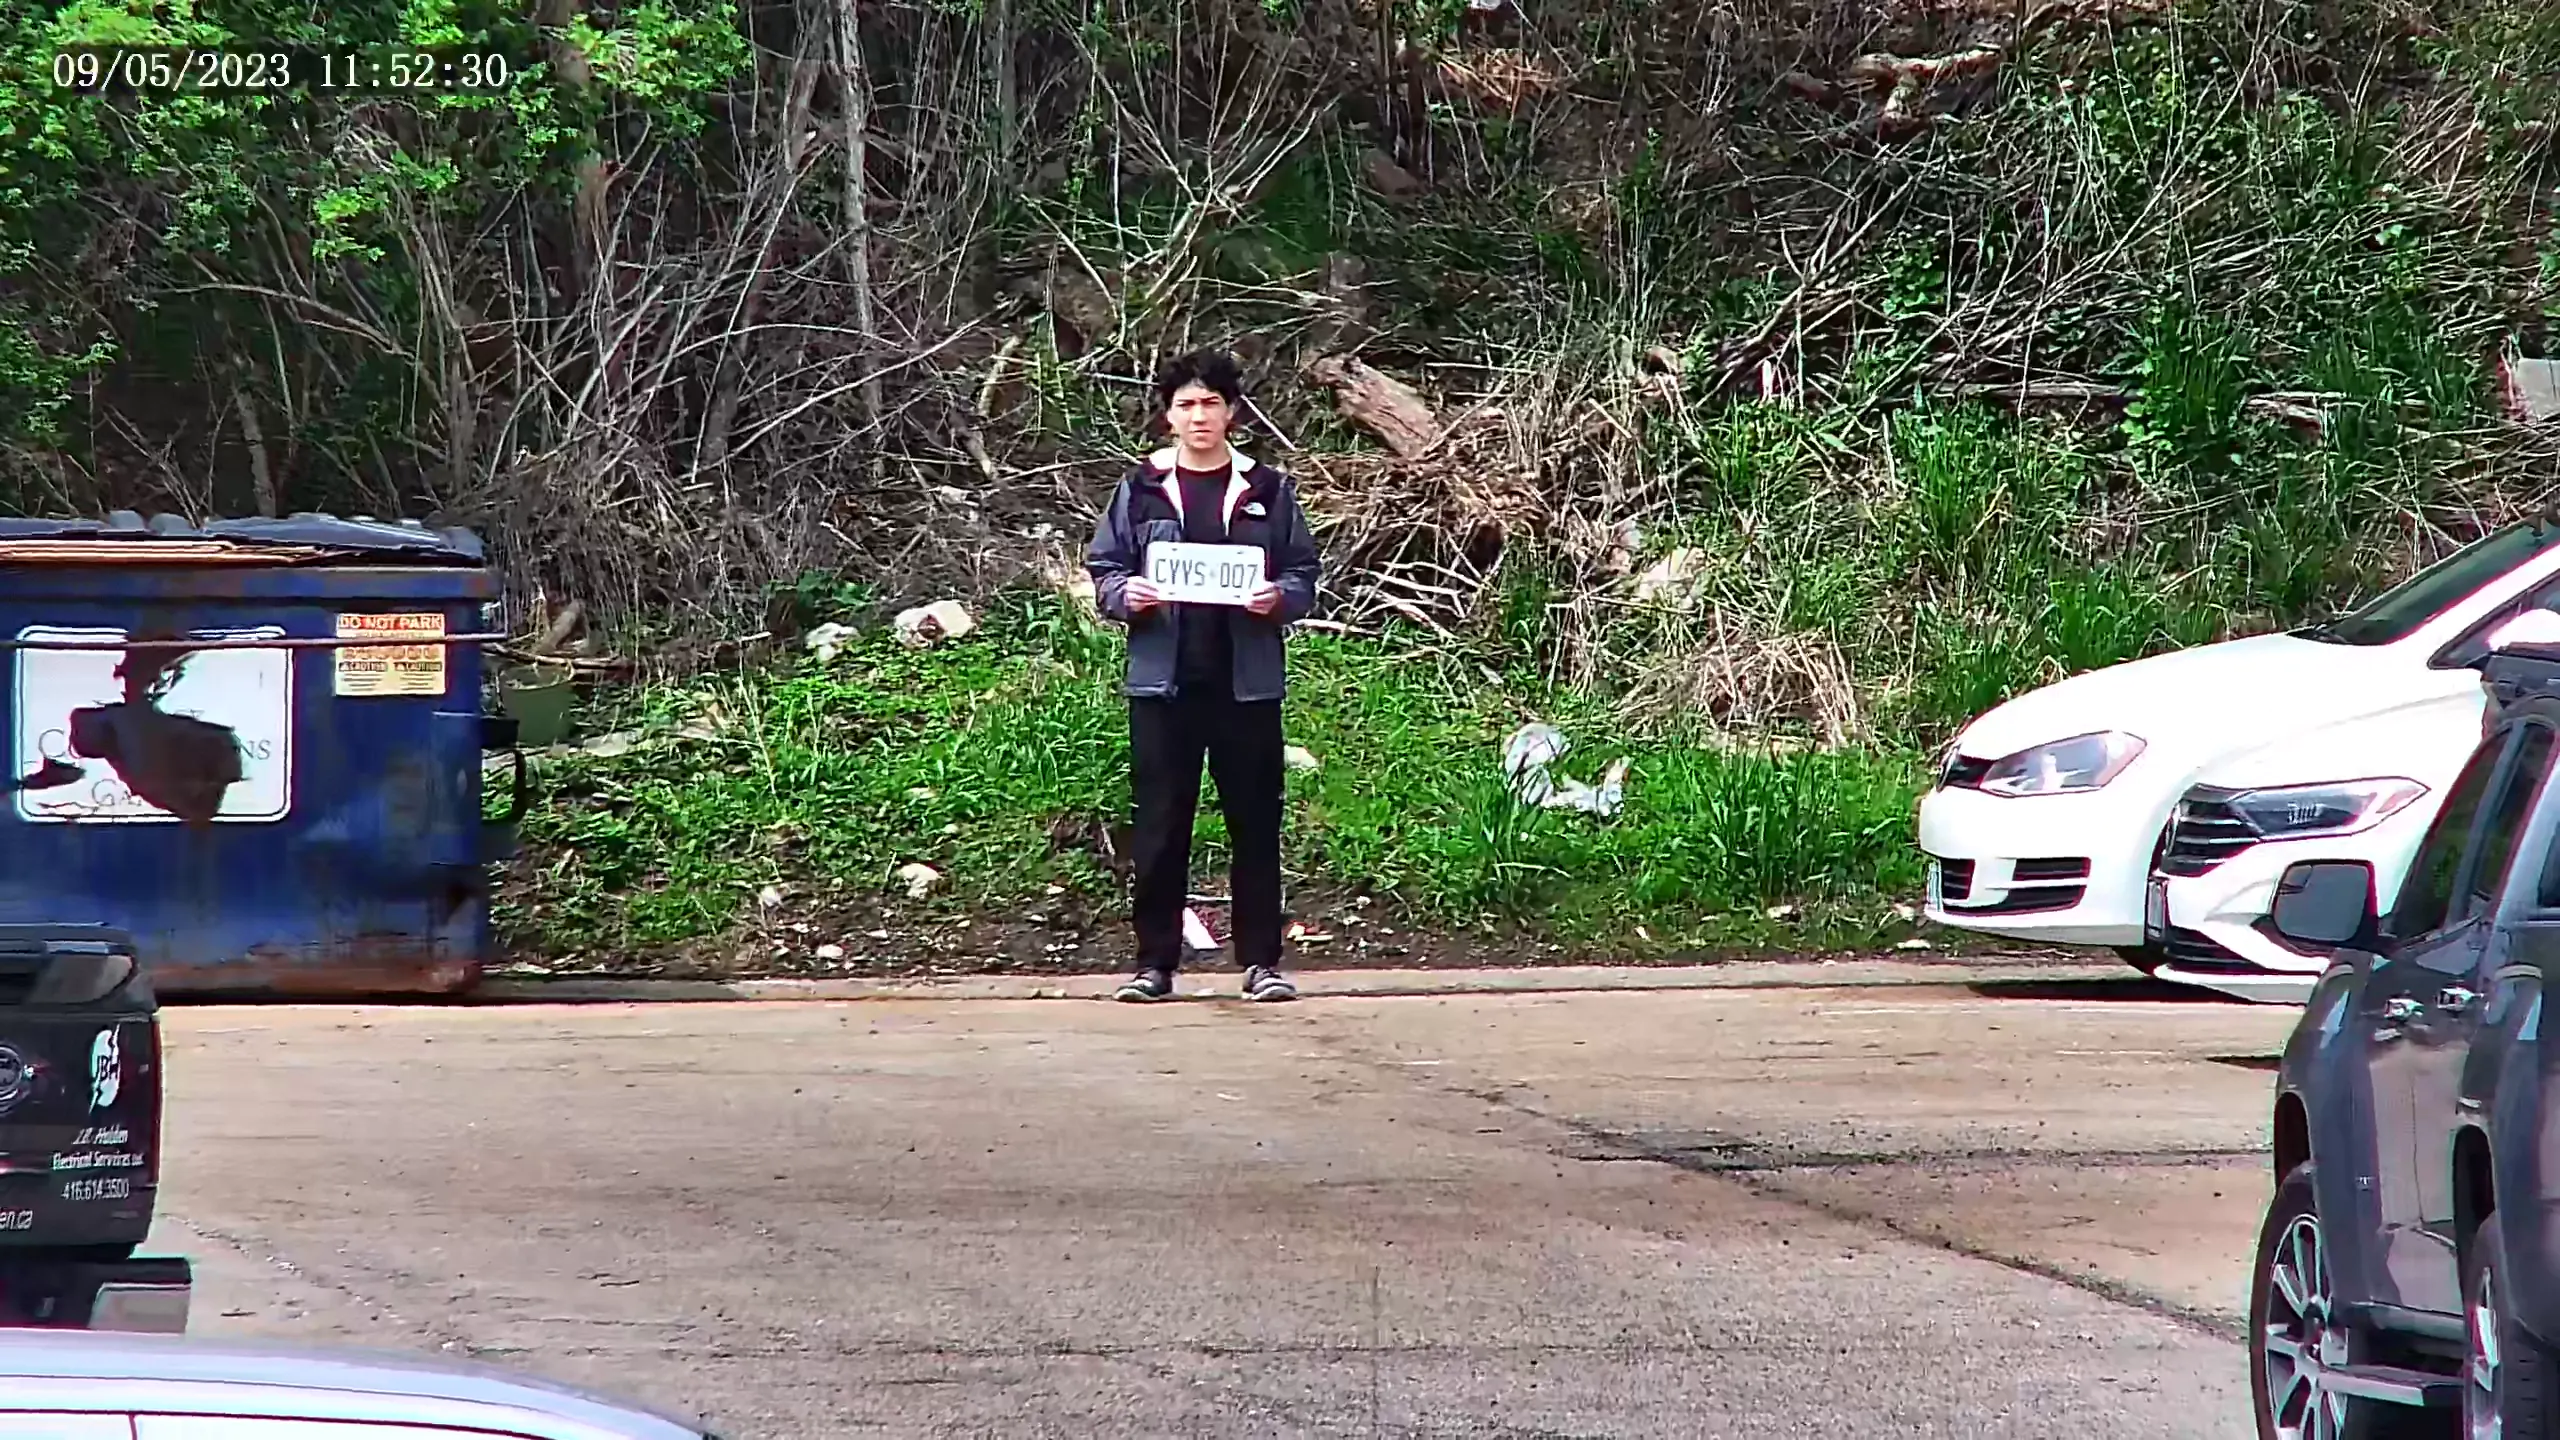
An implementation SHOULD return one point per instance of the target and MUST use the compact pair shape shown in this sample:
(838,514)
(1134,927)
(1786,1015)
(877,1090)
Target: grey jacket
(1262,510)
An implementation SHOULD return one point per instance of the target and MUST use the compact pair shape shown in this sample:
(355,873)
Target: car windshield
(2398,612)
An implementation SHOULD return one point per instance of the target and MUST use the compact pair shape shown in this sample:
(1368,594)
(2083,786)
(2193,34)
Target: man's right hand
(1140,595)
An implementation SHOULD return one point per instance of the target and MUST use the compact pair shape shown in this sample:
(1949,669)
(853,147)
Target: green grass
(823,779)
(2280,299)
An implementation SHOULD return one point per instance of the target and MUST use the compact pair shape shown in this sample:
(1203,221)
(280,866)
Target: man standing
(1204,679)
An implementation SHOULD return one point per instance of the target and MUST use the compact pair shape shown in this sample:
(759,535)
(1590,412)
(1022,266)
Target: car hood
(2427,743)
(2190,705)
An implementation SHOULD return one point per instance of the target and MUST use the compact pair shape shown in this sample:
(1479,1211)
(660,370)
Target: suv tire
(2295,1335)
(2510,1378)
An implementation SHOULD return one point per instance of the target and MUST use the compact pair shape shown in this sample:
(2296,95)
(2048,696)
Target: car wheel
(2298,1337)
(2510,1378)
(2144,958)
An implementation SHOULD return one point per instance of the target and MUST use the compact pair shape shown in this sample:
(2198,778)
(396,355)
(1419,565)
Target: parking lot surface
(1920,1206)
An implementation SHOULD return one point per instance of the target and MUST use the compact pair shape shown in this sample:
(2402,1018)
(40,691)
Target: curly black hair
(1214,369)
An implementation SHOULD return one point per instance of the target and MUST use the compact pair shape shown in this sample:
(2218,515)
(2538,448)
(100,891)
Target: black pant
(1243,744)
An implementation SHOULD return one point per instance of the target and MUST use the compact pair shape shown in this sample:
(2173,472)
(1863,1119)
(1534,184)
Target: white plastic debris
(769,898)
(1299,757)
(826,640)
(1195,931)
(919,878)
(926,624)
(1671,579)
(1782,912)
(1535,746)
(1906,913)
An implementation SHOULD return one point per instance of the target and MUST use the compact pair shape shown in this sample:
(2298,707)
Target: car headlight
(2064,767)
(2289,812)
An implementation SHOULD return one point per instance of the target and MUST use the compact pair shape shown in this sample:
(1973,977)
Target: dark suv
(2411,1258)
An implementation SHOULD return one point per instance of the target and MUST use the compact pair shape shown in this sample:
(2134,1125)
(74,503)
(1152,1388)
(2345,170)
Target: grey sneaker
(1265,982)
(1145,986)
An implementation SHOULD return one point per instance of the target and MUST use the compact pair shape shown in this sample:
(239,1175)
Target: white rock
(879,934)
(830,952)
(1915,943)
(919,878)
(1906,913)
(769,897)
(1782,912)
(1299,757)
(826,640)
(927,624)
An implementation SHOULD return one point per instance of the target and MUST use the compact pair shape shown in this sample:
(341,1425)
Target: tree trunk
(853,79)
(262,474)
(999,23)
(588,216)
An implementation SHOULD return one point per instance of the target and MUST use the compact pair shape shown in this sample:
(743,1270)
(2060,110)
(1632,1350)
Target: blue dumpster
(255,746)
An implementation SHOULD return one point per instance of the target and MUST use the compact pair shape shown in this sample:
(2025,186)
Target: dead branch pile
(890,316)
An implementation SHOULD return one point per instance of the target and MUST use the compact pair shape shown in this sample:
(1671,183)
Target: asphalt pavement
(1772,1201)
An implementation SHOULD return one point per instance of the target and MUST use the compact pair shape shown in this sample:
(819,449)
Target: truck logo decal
(106,1069)
(17,1078)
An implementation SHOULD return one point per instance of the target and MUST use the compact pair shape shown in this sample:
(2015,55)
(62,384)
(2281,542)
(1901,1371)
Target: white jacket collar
(1164,460)
(1239,464)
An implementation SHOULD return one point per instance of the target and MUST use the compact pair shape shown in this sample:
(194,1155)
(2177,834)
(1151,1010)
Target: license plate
(1937,886)
(2155,911)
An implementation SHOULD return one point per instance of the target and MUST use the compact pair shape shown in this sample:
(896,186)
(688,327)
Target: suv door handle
(2401,1007)
(2456,997)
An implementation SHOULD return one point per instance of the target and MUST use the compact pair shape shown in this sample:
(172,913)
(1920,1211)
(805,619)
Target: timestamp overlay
(250,68)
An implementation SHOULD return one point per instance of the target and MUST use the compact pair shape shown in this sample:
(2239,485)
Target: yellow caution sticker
(384,669)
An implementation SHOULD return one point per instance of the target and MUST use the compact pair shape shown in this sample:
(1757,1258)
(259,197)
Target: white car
(2152,806)
(84,1385)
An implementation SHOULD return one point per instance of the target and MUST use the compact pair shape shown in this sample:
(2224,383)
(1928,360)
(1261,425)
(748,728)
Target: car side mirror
(2324,905)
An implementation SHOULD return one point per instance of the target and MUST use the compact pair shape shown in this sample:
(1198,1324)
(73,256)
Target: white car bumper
(2216,933)
(2056,869)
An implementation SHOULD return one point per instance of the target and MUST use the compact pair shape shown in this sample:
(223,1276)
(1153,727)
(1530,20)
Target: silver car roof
(97,1370)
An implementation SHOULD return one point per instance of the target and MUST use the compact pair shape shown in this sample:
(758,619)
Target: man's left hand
(1265,599)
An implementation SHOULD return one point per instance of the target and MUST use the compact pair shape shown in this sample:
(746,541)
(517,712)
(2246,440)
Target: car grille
(2038,886)
(2205,832)
(1955,879)
(2194,951)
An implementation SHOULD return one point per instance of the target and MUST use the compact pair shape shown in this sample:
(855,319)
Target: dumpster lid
(257,540)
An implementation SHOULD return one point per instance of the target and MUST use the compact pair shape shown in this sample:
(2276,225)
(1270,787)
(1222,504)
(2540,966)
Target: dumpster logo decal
(157,734)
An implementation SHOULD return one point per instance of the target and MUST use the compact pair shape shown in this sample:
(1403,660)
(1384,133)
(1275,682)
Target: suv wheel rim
(2300,1345)
(2480,1365)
